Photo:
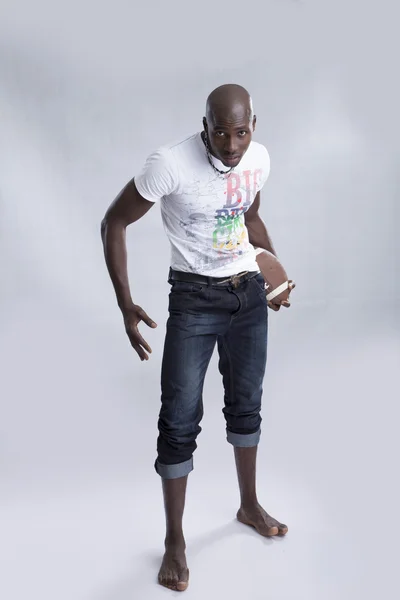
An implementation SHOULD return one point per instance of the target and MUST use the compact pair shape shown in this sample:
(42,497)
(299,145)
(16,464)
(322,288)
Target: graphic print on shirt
(230,231)
(199,190)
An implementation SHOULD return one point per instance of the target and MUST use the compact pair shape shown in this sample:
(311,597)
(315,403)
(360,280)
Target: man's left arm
(258,234)
(259,238)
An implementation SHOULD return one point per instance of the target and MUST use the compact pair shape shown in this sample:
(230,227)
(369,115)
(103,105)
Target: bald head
(229,99)
(229,123)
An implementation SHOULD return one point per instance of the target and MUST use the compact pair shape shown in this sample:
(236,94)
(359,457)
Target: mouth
(231,160)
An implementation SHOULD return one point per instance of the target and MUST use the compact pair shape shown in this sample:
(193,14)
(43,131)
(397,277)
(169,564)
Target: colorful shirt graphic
(203,212)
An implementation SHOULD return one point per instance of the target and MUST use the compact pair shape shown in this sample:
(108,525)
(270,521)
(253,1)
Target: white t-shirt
(202,211)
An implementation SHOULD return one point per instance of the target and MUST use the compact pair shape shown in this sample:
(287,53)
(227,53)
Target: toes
(183,582)
(264,524)
(273,523)
(270,531)
(167,580)
(266,529)
(174,582)
(181,586)
(164,582)
(283,529)
(271,526)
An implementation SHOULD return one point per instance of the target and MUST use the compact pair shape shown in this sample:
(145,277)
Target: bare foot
(262,522)
(174,573)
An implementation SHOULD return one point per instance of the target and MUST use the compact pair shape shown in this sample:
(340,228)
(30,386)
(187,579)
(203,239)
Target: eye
(219,133)
(242,133)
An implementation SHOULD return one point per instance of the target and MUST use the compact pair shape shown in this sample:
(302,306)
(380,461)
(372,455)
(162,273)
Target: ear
(254,122)
(205,123)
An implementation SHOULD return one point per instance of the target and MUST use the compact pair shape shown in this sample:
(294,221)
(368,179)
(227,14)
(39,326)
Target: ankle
(249,503)
(175,538)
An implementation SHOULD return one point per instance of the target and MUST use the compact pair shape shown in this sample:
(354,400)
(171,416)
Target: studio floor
(90,525)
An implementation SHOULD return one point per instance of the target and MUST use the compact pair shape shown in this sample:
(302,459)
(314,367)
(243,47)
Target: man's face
(230,135)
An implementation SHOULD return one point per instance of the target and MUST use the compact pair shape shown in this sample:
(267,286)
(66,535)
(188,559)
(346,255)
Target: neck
(209,155)
(206,143)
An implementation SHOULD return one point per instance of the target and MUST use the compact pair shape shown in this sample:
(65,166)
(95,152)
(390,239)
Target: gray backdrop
(87,91)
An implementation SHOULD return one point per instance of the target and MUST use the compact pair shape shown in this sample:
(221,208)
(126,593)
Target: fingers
(140,345)
(291,286)
(146,319)
(139,339)
(274,306)
(142,354)
(132,318)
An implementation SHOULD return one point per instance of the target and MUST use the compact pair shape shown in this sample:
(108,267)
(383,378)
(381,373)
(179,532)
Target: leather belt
(234,280)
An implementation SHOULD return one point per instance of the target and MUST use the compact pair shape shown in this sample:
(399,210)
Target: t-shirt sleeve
(265,165)
(158,176)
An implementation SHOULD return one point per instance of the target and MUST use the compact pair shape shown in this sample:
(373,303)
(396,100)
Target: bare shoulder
(129,206)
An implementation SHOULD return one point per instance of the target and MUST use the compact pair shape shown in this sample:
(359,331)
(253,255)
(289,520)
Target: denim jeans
(202,316)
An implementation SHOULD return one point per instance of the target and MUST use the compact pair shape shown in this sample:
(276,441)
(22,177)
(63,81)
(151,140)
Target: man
(208,186)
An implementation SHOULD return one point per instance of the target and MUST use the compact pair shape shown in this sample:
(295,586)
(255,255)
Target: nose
(231,148)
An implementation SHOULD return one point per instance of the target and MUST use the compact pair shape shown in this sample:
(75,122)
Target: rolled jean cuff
(174,471)
(240,440)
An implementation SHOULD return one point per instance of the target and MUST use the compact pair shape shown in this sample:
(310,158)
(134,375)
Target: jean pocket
(185,287)
(260,285)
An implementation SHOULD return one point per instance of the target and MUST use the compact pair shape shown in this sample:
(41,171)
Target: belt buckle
(235,280)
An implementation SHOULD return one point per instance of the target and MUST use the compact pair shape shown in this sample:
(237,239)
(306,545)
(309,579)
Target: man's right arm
(128,207)
(157,179)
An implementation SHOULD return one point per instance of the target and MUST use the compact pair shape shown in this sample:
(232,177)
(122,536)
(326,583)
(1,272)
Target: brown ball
(274,274)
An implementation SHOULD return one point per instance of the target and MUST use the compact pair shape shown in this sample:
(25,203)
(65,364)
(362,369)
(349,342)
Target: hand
(275,305)
(132,317)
